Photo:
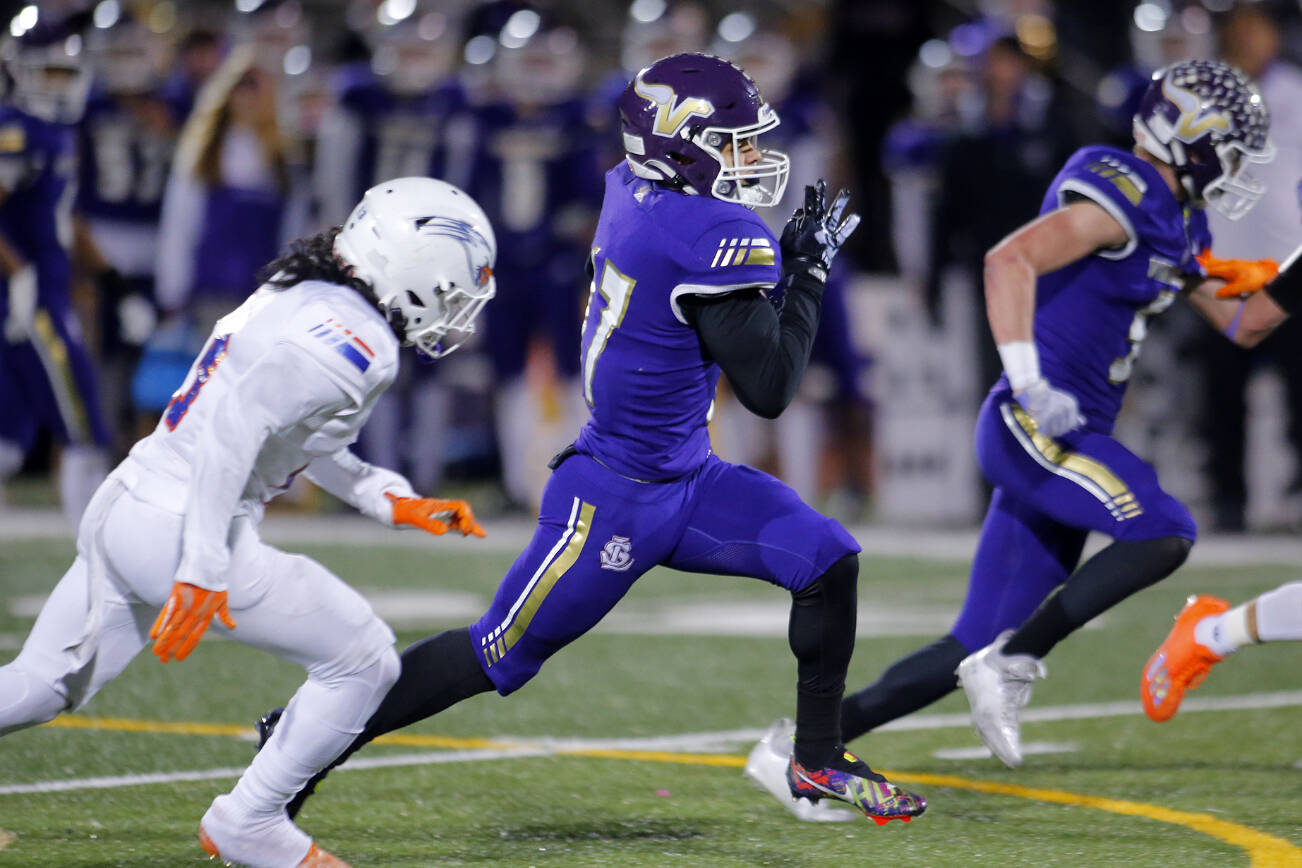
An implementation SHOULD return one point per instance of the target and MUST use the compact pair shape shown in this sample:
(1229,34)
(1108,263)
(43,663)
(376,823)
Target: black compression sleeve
(763,353)
(1286,289)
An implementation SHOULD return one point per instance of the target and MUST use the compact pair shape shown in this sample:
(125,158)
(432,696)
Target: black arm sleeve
(1286,289)
(763,353)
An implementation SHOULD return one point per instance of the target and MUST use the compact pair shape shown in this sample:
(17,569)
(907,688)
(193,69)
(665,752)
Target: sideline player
(1207,631)
(1068,298)
(282,387)
(684,276)
(46,376)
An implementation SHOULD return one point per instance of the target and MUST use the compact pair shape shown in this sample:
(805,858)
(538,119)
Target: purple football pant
(49,382)
(599,531)
(1049,494)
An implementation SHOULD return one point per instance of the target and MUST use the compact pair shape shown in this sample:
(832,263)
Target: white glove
(1055,412)
(136,319)
(22,305)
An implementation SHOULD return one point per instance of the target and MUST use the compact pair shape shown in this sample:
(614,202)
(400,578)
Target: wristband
(1021,363)
(1286,289)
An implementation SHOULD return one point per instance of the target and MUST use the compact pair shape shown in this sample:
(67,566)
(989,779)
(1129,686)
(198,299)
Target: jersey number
(202,371)
(616,289)
(1123,366)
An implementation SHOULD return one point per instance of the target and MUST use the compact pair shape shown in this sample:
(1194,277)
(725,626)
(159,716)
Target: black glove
(816,232)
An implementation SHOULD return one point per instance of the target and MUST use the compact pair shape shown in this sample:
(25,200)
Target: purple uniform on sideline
(1090,320)
(536,177)
(47,381)
(602,523)
(124,166)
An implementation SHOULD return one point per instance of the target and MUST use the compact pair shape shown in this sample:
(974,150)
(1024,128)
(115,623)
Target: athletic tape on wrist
(1021,362)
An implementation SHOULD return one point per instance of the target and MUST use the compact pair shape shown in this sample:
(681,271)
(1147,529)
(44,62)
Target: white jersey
(284,384)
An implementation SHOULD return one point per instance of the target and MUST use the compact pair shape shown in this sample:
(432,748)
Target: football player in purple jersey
(1068,297)
(538,175)
(687,281)
(46,376)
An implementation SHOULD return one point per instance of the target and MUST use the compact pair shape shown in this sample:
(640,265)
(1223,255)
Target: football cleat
(767,766)
(998,686)
(259,844)
(850,780)
(1180,663)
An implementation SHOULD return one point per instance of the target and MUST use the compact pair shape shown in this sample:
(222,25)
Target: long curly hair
(313,258)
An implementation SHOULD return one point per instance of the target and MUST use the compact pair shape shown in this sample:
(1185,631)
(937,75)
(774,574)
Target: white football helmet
(428,251)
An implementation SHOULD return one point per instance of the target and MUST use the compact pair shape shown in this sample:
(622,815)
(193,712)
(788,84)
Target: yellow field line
(1264,851)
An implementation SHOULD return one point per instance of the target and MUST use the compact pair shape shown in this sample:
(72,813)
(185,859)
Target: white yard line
(692,742)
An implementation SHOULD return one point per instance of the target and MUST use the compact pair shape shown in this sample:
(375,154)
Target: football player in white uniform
(171,538)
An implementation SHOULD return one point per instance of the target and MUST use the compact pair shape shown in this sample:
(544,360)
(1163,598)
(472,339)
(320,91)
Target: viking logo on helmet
(671,115)
(1194,119)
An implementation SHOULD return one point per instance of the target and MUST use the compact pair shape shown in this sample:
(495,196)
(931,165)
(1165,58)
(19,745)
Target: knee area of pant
(837,584)
(1169,519)
(388,667)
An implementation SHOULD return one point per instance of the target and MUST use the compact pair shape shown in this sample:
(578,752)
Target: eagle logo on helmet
(484,275)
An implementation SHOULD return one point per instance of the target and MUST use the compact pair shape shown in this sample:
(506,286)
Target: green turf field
(1230,773)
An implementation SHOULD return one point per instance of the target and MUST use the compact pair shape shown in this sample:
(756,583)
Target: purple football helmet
(681,112)
(1210,123)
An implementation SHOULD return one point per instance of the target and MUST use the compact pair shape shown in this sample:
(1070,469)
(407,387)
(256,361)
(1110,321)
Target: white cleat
(767,766)
(227,834)
(998,687)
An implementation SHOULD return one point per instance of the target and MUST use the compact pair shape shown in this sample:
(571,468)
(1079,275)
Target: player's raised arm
(1012,268)
(763,353)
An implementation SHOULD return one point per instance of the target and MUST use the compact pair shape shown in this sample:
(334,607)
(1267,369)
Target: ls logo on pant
(617,554)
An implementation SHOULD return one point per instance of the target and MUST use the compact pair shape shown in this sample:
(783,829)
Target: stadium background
(947,120)
(626,750)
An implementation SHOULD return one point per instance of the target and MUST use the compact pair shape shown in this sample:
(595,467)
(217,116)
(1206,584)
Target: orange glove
(185,618)
(1242,276)
(434,515)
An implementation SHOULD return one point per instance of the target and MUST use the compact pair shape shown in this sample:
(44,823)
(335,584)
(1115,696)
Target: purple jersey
(1092,316)
(125,163)
(645,376)
(38,162)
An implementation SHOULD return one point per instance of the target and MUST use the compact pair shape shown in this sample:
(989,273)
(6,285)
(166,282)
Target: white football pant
(98,618)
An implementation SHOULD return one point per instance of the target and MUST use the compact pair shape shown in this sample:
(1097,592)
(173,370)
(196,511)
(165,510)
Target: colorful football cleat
(767,766)
(1180,663)
(850,780)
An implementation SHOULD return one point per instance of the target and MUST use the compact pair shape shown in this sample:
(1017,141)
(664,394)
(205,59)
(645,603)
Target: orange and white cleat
(259,844)
(1180,663)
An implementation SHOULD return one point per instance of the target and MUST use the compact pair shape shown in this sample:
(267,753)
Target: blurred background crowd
(215,132)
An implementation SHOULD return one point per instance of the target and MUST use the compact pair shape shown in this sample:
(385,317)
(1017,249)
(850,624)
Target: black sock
(910,683)
(1112,575)
(437,673)
(821,635)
